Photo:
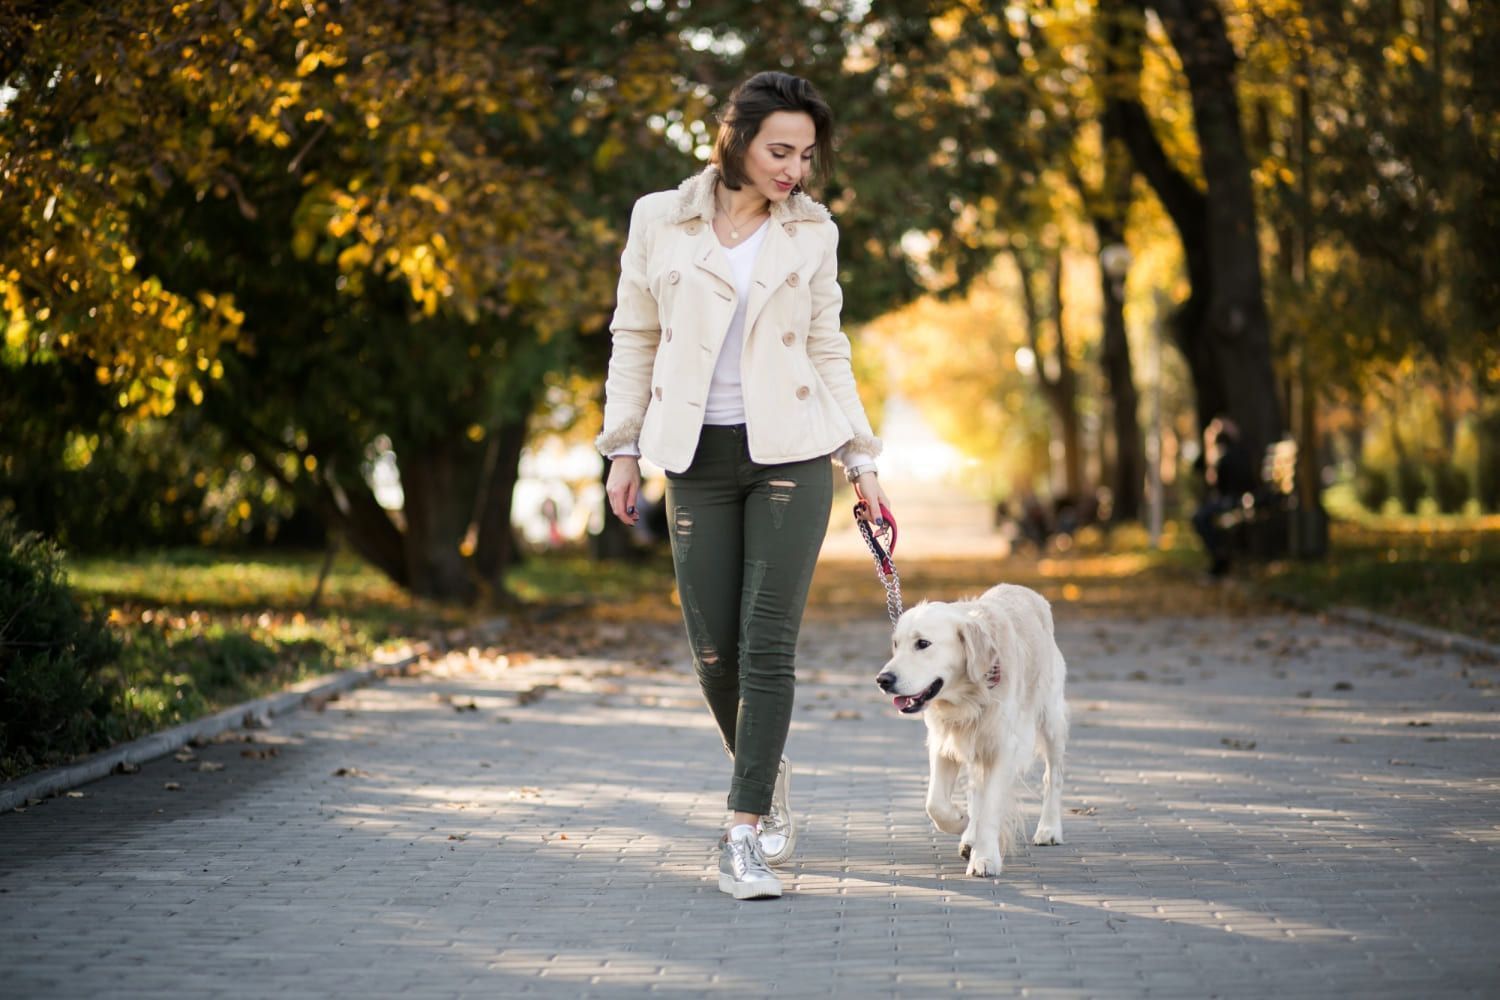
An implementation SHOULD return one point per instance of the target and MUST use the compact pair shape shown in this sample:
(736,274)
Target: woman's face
(780,155)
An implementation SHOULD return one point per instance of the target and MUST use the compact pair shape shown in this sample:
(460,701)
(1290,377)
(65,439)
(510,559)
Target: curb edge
(1423,633)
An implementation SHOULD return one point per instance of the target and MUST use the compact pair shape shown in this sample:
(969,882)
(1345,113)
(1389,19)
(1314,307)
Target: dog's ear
(981,648)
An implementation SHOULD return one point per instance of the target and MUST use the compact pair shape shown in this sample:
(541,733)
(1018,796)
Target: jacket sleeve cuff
(619,439)
(859,449)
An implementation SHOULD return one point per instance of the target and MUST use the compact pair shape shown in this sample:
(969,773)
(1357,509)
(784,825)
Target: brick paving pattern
(1263,806)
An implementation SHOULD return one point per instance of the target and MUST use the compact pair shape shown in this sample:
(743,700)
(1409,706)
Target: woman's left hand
(868,486)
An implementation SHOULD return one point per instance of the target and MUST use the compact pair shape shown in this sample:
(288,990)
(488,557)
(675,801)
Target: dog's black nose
(886,680)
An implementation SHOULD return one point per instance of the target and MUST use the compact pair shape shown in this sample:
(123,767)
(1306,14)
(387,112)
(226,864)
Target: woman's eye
(923,644)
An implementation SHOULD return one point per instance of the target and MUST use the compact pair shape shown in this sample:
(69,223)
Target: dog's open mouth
(909,703)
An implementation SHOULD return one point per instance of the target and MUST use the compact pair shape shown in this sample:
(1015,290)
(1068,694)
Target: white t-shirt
(726,399)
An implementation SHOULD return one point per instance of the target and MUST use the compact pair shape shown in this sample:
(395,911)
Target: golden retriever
(987,677)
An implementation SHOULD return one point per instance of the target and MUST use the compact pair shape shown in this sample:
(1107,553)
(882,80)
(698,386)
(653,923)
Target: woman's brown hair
(751,103)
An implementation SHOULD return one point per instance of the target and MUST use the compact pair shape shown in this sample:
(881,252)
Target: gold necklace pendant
(734,230)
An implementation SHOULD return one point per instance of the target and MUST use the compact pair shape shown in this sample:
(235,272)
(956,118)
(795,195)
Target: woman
(730,371)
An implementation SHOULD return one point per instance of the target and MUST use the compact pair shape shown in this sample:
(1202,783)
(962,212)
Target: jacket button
(692,229)
(802,392)
(673,278)
(789,338)
(658,392)
(669,334)
(791,228)
(791,279)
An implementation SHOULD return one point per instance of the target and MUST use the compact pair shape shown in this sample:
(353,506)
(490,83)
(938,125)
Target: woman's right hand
(876,501)
(623,488)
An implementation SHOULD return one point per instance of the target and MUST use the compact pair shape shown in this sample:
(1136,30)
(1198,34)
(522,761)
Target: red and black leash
(882,531)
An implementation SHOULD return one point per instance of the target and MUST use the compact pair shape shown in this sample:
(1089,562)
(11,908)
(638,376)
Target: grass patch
(1444,573)
(563,577)
(218,584)
(201,631)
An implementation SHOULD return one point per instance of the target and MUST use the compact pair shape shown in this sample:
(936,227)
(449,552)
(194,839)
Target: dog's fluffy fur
(944,657)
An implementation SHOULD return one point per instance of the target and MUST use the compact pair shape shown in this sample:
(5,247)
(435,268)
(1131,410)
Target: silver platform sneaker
(778,830)
(743,872)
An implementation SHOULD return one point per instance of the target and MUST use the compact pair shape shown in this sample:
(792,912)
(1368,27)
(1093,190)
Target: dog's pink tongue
(902,701)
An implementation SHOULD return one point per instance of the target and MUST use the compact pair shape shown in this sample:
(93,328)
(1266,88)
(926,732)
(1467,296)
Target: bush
(1372,487)
(1409,485)
(53,704)
(1448,485)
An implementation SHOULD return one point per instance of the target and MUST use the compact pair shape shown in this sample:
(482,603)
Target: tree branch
(296,165)
(1033,321)
(1179,195)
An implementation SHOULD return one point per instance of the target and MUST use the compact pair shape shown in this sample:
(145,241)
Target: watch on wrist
(853,472)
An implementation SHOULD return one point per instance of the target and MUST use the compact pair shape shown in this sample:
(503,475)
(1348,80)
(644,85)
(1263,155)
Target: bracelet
(853,472)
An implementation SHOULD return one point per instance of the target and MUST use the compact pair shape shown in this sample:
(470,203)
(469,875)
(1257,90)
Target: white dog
(989,676)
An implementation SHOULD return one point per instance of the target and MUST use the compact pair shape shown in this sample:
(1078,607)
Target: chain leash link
(890,581)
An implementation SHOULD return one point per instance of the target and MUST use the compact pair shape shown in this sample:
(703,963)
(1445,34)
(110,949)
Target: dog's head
(941,653)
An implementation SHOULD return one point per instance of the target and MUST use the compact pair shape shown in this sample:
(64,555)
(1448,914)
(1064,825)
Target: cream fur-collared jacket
(676,299)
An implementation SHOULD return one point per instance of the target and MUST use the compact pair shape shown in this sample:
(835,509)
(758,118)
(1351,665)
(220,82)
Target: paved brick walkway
(1258,807)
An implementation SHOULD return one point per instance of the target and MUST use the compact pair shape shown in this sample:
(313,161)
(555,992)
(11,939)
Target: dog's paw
(948,820)
(1047,836)
(982,865)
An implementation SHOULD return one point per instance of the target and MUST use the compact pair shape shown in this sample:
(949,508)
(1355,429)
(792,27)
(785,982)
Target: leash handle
(885,567)
(885,527)
(886,523)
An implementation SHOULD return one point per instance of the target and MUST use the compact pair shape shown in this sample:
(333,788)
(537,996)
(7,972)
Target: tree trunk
(1185,205)
(495,548)
(352,510)
(1060,389)
(439,479)
(1231,338)
(1130,461)
(1066,384)
(1119,32)
(1129,453)
(1310,537)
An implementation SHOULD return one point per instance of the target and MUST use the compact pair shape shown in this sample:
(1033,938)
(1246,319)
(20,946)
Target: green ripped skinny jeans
(745,538)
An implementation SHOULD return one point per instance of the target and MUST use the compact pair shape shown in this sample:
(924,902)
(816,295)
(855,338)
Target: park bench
(1260,527)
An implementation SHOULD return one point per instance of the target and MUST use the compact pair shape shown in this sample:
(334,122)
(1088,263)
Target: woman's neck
(745,203)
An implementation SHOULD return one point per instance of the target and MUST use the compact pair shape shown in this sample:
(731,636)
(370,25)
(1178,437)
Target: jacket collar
(695,200)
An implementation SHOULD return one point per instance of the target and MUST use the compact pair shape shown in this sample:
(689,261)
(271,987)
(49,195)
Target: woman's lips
(784,187)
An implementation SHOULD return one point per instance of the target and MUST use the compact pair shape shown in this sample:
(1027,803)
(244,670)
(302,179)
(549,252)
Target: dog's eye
(923,644)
